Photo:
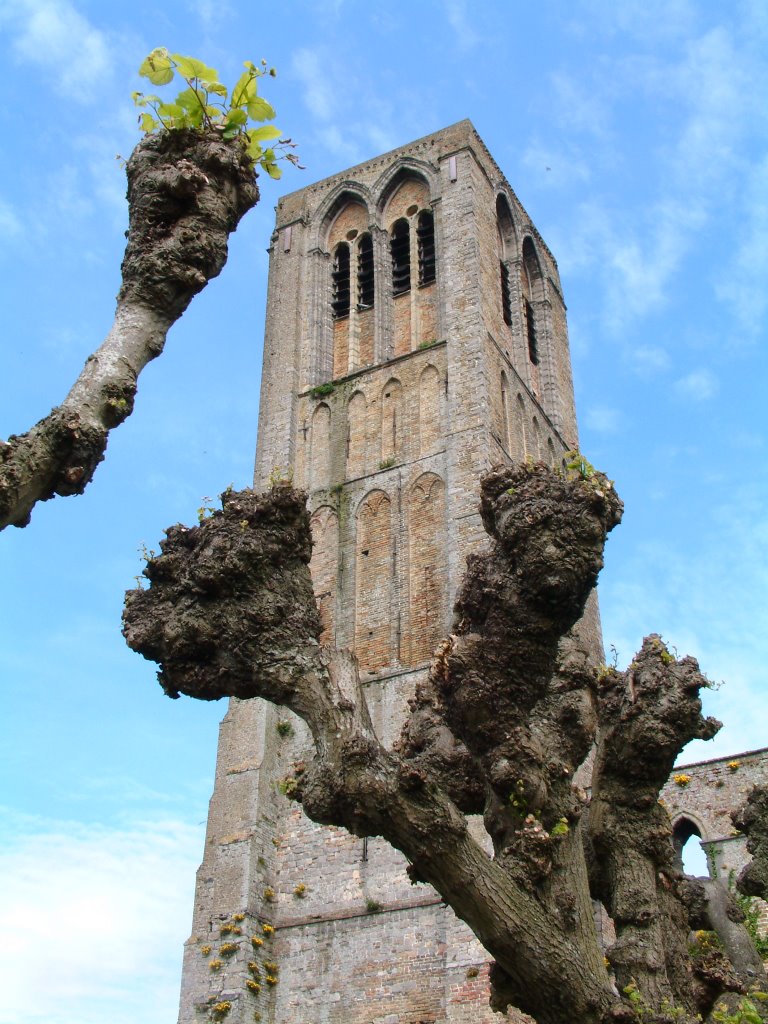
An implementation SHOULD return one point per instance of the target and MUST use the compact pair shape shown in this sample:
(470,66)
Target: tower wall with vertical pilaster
(415,336)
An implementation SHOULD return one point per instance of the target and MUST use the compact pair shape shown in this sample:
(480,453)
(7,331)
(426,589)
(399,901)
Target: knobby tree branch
(511,708)
(187,191)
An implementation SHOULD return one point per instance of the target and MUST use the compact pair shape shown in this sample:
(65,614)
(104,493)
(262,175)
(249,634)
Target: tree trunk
(187,191)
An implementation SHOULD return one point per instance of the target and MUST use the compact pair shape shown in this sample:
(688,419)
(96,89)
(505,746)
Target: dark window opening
(425,236)
(506,303)
(365,272)
(691,857)
(530,325)
(340,278)
(400,247)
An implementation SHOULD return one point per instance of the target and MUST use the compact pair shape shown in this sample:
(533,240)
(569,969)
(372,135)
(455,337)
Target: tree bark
(509,710)
(187,191)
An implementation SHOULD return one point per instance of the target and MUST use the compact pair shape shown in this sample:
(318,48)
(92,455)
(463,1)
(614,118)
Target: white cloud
(211,12)
(97,918)
(356,122)
(649,360)
(744,284)
(10,223)
(555,167)
(711,602)
(643,19)
(55,36)
(603,420)
(462,24)
(320,95)
(704,101)
(699,384)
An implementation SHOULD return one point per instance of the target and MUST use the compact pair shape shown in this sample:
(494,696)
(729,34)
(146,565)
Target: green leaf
(147,123)
(269,131)
(254,150)
(189,67)
(190,101)
(166,110)
(237,117)
(157,67)
(273,170)
(260,110)
(244,90)
(216,88)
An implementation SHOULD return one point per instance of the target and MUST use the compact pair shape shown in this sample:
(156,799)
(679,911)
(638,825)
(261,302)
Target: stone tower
(415,336)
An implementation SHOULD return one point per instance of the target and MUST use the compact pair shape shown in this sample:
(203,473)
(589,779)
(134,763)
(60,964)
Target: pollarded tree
(511,708)
(190,181)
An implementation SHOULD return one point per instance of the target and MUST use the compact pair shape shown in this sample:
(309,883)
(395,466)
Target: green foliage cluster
(207,104)
(579,464)
(745,1013)
(751,910)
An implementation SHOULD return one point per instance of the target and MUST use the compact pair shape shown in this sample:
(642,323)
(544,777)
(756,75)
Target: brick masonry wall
(705,793)
(390,449)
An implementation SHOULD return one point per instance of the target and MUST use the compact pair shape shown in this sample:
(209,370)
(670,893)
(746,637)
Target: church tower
(415,336)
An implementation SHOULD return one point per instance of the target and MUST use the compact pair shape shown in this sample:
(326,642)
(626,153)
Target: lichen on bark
(510,708)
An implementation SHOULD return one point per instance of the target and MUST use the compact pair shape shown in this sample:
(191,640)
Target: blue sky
(635,135)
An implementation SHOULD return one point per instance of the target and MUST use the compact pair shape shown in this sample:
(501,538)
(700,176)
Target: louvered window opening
(506,302)
(340,277)
(533,349)
(365,290)
(400,247)
(425,236)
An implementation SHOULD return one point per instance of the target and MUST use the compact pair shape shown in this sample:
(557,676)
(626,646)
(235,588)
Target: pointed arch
(536,440)
(330,228)
(507,252)
(504,424)
(430,409)
(323,567)
(532,287)
(427,566)
(505,226)
(418,175)
(686,829)
(521,439)
(357,440)
(373,581)
(392,421)
(320,448)
(551,456)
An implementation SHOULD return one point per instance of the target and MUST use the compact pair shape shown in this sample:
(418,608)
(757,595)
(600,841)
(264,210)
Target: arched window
(532,283)
(400,247)
(427,569)
(692,858)
(320,447)
(340,278)
(504,411)
(323,567)
(530,332)
(507,244)
(522,440)
(506,301)
(356,436)
(365,289)
(373,581)
(425,236)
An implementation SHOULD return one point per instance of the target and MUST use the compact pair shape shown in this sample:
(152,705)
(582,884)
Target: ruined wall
(704,794)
